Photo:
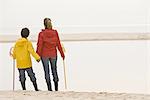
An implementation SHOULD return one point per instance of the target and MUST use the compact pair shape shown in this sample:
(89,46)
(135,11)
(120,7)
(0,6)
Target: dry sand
(46,95)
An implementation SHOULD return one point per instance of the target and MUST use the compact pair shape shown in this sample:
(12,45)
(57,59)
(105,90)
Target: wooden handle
(65,77)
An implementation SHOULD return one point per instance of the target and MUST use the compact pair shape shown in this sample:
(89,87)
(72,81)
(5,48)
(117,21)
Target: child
(22,50)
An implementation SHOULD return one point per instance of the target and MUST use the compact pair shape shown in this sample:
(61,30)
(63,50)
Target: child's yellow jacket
(21,52)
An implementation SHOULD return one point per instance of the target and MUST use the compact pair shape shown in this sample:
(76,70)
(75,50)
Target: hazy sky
(71,16)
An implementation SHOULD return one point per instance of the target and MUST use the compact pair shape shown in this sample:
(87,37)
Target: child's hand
(10,52)
(38,60)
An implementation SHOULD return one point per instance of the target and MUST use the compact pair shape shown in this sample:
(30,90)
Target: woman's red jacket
(48,42)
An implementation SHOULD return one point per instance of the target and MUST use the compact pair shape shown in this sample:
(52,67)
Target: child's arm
(31,50)
(12,52)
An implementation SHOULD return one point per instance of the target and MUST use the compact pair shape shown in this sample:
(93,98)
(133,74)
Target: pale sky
(76,16)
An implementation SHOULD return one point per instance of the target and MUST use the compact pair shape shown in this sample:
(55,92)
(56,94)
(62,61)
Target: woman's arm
(39,44)
(59,46)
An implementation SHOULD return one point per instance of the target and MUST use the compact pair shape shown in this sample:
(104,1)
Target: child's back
(22,51)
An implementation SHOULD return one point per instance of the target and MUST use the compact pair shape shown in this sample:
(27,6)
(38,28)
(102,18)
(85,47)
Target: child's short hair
(25,32)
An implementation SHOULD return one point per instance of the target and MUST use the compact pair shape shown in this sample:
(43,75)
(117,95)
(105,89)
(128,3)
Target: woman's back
(48,42)
(49,39)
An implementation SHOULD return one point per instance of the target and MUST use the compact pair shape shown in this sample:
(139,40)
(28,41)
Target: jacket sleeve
(59,46)
(31,50)
(14,52)
(39,45)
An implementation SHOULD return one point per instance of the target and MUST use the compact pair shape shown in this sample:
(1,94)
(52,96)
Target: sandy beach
(70,95)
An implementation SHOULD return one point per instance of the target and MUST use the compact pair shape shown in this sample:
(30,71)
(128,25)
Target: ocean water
(110,66)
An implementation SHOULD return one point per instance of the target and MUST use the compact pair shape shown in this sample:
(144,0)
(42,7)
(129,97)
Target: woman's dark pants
(53,62)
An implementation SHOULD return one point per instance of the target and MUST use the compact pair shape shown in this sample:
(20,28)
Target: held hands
(38,60)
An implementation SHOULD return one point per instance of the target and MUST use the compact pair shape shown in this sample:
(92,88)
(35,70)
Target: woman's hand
(63,57)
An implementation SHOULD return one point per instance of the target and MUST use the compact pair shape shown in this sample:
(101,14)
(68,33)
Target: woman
(48,42)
